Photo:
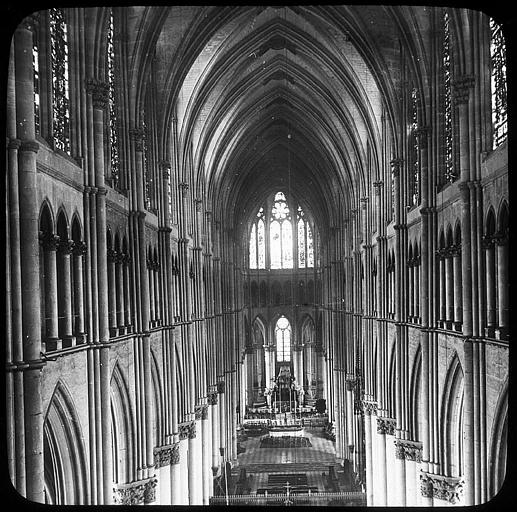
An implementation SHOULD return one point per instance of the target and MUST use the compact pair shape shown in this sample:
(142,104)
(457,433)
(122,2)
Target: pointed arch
(62,225)
(498,445)
(158,401)
(416,396)
(452,419)
(46,217)
(503,217)
(77,229)
(65,472)
(122,428)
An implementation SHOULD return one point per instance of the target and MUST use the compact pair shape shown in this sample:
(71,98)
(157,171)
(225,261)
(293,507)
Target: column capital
(135,493)
(500,238)
(441,487)
(377,185)
(30,22)
(212,398)
(198,202)
(29,145)
(183,186)
(369,407)
(80,248)
(137,135)
(187,430)
(166,455)
(408,450)
(49,241)
(66,246)
(487,242)
(422,135)
(99,91)
(201,412)
(461,88)
(386,426)
(395,164)
(14,144)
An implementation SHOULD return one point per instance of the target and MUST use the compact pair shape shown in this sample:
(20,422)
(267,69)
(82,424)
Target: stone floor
(313,461)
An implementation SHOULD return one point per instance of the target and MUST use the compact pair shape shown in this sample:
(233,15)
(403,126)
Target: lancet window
(498,82)
(60,90)
(114,159)
(449,173)
(283,339)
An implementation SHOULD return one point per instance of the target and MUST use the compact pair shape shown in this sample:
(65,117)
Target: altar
(287,430)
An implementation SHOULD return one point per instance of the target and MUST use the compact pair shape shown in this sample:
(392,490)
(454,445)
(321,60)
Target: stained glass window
(449,172)
(261,243)
(113,137)
(310,247)
(283,339)
(283,233)
(60,92)
(275,244)
(35,63)
(301,243)
(253,247)
(415,149)
(498,82)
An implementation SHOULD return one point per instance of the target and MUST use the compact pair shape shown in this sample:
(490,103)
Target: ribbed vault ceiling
(279,97)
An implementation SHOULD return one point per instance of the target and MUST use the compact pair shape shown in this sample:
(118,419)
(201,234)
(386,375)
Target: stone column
(449,288)
(127,293)
(150,266)
(491,321)
(195,483)
(175,474)
(502,282)
(183,465)
(65,292)
(369,408)
(112,293)
(50,244)
(206,450)
(79,252)
(119,281)
(442,314)
(458,305)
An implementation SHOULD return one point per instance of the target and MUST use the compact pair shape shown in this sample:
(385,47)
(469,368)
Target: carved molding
(99,91)
(386,426)
(369,407)
(461,88)
(49,241)
(166,455)
(135,493)
(408,450)
(187,430)
(137,135)
(441,487)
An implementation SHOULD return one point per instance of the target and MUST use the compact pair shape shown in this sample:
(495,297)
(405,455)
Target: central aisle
(257,466)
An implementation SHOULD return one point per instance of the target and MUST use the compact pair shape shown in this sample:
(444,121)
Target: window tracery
(35,63)
(60,90)
(498,82)
(112,114)
(414,185)
(288,239)
(449,173)
(283,339)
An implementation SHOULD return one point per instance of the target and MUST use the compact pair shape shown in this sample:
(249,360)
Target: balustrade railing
(349,499)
